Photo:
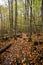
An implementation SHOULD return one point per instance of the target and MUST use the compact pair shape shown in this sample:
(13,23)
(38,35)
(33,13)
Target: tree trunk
(1,22)
(25,11)
(28,15)
(10,2)
(31,19)
(15,17)
(42,17)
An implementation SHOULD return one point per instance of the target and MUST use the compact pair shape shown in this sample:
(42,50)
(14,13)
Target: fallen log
(19,35)
(35,43)
(39,58)
(4,48)
(5,38)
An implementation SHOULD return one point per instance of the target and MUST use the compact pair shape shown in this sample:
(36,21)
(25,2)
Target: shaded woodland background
(21,16)
(21,32)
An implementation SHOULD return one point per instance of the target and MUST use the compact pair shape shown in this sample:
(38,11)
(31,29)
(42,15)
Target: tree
(42,16)
(10,3)
(15,17)
(1,20)
(30,19)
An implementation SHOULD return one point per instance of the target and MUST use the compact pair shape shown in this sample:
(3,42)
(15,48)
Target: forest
(21,32)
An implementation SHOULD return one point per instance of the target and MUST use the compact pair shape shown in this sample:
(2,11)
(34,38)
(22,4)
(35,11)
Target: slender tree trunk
(42,17)
(25,11)
(25,16)
(11,24)
(4,22)
(28,15)
(11,14)
(1,22)
(15,17)
(31,19)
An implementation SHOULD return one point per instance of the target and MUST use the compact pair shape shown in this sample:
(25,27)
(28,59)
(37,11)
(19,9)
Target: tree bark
(42,17)
(4,48)
(31,19)
(11,14)
(1,21)
(15,17)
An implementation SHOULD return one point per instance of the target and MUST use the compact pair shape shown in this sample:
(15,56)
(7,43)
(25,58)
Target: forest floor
(26,52)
